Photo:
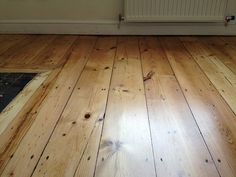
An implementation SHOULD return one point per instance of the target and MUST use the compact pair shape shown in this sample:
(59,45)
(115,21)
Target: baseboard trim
(111,28)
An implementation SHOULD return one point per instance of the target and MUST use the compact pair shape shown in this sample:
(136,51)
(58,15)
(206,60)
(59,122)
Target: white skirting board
(111,28)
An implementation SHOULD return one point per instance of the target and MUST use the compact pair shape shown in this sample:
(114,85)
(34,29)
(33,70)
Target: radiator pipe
(121,18)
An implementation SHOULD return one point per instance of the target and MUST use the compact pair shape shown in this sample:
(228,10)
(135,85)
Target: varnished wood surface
(93,114)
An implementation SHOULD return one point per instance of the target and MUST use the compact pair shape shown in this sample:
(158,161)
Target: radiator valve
(228,19)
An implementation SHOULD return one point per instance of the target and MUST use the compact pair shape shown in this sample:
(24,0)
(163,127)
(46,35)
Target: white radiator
(175,10)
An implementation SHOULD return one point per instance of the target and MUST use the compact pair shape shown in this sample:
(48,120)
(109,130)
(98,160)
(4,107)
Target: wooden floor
(120,106)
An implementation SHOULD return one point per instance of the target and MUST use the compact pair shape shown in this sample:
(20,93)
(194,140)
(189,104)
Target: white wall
(89,16)
(78,10)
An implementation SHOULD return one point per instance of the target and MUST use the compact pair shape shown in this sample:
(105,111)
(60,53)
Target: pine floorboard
(122,106)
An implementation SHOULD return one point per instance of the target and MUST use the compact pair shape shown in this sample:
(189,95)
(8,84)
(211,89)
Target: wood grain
(221,76)
(82,117)
(53,55)
(13,108)
(8,41)
(37,45)
(16,130)
(159,111)
(213,116)
(29,150)
(125,148)
(178,149)
(16,50)
(217,48)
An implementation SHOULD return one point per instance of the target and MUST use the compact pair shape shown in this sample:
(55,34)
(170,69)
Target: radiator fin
(175,10)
